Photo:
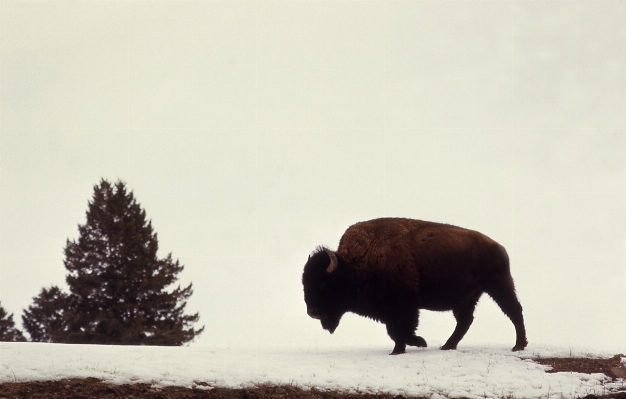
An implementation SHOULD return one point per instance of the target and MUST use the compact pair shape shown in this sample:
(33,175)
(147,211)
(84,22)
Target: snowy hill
(469,372)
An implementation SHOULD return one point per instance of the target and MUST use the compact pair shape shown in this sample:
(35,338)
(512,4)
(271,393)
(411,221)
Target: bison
(388,269)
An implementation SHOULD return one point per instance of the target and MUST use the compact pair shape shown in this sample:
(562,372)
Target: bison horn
(333,261)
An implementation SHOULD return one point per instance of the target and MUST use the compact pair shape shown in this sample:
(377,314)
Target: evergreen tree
(118,285)
(8,332)
(46,320)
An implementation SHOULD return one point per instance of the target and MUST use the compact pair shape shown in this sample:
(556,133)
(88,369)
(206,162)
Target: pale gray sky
(251,132)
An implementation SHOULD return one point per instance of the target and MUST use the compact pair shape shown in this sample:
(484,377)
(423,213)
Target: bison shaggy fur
(388,269)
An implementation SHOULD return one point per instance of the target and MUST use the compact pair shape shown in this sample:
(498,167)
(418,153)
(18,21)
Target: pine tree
(8,332)
(118,285)
(46,319)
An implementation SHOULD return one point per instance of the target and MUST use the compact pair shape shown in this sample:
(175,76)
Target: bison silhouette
(388,269)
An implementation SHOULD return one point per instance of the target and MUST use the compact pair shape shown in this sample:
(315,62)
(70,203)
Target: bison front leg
(395,333)
(399,348)
(402,332)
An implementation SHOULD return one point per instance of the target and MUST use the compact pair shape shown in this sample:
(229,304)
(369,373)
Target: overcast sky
(251,132)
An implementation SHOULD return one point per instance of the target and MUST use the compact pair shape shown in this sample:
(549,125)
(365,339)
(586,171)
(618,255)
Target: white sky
(251,132)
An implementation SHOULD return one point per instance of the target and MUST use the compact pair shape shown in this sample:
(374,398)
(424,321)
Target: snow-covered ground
(471,372)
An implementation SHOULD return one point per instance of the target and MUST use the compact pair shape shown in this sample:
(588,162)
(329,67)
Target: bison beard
(388,269)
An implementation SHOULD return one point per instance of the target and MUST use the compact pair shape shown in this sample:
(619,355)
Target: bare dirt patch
(611,367)
(92,388)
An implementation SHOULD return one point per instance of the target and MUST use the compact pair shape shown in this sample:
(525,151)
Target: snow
(471,372)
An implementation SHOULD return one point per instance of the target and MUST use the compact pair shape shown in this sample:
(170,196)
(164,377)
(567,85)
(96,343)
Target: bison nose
(313,313)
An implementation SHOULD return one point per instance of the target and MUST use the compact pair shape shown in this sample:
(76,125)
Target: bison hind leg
(464,318)
(503,293)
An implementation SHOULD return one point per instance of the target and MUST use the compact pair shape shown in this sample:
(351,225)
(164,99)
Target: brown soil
(611,367)
(92,388)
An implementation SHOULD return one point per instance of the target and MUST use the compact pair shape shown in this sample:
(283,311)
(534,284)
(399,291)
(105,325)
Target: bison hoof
(519,347)
(448,347)
(417,341)
(398,350)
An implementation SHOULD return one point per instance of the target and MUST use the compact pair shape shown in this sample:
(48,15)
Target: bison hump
(379,238)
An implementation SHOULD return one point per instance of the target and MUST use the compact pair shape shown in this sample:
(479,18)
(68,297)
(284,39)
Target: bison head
(325,288)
